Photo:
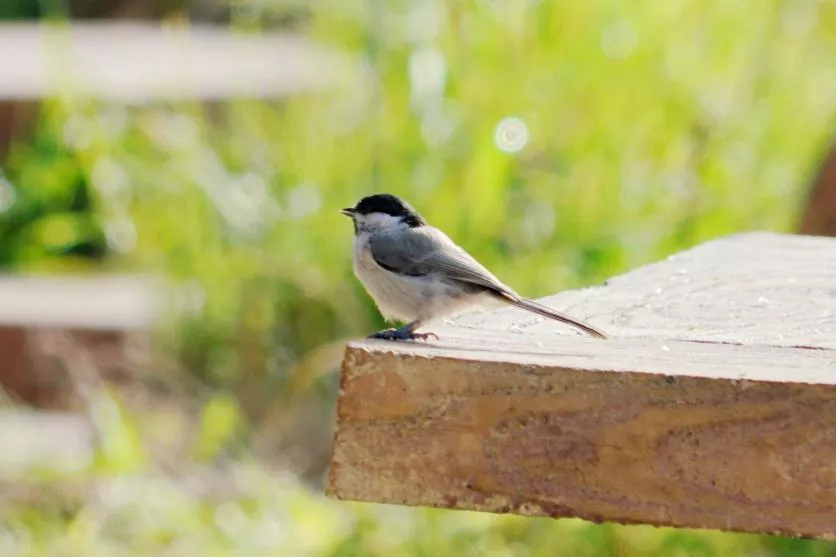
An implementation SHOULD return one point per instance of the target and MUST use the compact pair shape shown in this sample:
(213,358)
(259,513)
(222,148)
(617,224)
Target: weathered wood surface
(712,406)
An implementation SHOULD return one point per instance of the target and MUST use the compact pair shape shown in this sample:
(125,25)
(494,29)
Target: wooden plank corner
(713,405)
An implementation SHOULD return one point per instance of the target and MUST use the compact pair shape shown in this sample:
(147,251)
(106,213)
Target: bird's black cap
(388,204)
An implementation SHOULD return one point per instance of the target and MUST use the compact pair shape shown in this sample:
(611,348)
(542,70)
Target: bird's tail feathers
(540,309)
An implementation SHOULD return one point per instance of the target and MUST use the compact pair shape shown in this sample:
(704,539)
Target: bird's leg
(406,332)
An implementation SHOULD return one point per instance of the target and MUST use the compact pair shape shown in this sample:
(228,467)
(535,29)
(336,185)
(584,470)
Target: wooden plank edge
(485,500)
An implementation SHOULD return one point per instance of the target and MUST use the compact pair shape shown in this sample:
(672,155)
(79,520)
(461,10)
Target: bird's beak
(347,212)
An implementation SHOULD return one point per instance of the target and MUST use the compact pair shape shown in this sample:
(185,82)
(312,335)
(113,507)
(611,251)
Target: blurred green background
(559,142)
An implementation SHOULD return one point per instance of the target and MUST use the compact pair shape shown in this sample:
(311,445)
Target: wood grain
(709,409)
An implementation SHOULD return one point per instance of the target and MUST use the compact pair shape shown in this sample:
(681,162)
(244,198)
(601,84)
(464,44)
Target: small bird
(415,273)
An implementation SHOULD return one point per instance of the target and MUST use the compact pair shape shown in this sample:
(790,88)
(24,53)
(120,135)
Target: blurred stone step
(58,331)
(29,439)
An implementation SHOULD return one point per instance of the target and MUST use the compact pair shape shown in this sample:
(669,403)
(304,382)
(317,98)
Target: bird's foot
(401,334)
(424,336)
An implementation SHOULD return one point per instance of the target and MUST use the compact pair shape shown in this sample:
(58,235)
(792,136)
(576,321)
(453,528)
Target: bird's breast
(402,297)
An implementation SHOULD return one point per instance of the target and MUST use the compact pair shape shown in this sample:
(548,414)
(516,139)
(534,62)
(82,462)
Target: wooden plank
(709,409)
(819,213)
(102,302)
(138,62)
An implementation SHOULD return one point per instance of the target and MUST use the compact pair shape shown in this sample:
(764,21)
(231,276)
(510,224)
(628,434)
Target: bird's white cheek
(374,221)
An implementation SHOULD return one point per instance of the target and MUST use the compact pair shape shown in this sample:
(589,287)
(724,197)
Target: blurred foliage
(49,220)
(92,9)
(248,512)
(559,142)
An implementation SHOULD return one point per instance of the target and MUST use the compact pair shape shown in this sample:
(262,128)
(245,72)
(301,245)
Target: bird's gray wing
(425,251)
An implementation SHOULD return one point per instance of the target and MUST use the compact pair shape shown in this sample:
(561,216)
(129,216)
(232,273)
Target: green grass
(652,126)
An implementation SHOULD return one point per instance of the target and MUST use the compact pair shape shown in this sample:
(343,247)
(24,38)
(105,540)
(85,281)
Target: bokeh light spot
(511,135)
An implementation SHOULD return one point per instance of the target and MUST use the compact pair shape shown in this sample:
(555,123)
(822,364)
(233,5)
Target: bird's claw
(400,334)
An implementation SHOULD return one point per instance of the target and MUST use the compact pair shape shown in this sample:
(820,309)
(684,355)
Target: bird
(415,273)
